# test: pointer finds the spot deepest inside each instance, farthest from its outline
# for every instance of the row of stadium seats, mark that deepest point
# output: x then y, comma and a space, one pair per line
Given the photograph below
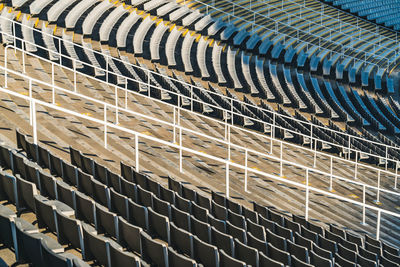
305, 20
303, 240
380, 12
275, 81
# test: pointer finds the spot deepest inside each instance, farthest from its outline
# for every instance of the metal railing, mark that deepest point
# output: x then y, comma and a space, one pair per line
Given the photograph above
344, 48
312, 127
177, 110
179, 146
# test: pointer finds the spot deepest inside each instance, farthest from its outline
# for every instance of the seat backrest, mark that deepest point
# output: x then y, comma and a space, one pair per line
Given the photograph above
317, 260
119, 203
158, 225
129, 235
176, 259
205, 253
122, 258
138, 215
96, 247
199, 212
153, 251
106, 221
278, 254
299, 251
69, 231
236, 219
181, 240
266, 261
220, 225
222, 241
228, 261
100, 192
85, 209
245, 253
201, 230
236, 232
256, 230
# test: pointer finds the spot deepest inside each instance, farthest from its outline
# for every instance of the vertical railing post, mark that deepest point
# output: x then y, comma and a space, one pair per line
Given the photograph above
245, 170
116, 105
363, 207
315, 153
59, 51
52, 83
378, 225
34, 122
74, 67
331, 177
5, 68
148, 83
272, 132
386, 158
307, 195
180, 150
126, 93
23, 56
355, 167
349, 147
105, 126
229, 143
174, 130
281, 160
107, 59
395, 178
379, 186
227, 179
136, 152
191, 98
226, 125
30, 103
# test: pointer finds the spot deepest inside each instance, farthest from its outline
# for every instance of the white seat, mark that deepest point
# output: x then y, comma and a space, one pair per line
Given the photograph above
124, 28
55, 11
38, 5
6, 19
68, 44
140, 34
185, 52
261, 79
246, 73
216, 62
27, 33
109, 22
231, 62
201, 57
93, 16
170, 46
155, 41
76, 12
88, 49
49, 42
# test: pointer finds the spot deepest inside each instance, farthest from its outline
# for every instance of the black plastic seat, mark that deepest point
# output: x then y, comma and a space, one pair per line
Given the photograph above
183, 204
167, 195
268, 224
65, 194
236, 219
228, 261
199, 212
319, 261
69, 231
45, 213
278, 254
85, 208
276, 217
366, 262
158, 225
204, 253
347, 253
95, 246
181, 218
300, 252
298, 263
220, 225
260, 245
245, 253
174, 185
336, 230
218, 199
295, 227
118, 203
276, 240
343, 262
176, 259
327, 244
189, 194
181, 240
256, 230
284, 232
138, 215
222, 241
153, 251
322, 252
204, 202
106, 221
47, 185
309, 234
118, 257
162, 207
129, 235
236, 232
201, 230
305, 242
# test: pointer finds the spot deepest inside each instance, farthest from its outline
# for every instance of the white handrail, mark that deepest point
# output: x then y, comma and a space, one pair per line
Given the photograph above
231, 100
182, 149
176, 125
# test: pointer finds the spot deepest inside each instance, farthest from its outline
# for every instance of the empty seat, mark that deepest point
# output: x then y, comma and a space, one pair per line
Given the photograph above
118, 203
47, 185
367, 254
100, 173
222, 241
158, 225
327, 244
300, 240
167, 195
315, 228
199, 212
317, 260
27, 192
174, 185
245, 253
201, 230
299, 263
236, 232
85, 184
144, 197
118, 257
284, 232
276, 240
138, 215
180, 218
69, 173
95, 246
236, 219
299, 251
162, 207
322, 252
266, 261
85, 208
128, 189
260, 245
203, 202
153, 251
309, 234
182, 204
69, 231
106, 221
175, 259
268, 224
275, 217
66, 194
189, 194
101, 193
129, 235
365, 262
227, 261
204, 253
45, 213
336, 230
256, 230
278, 254
295, 227
220, 225
181, 240
343, 262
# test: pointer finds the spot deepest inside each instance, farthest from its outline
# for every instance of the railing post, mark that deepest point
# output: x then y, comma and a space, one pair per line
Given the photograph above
30, 103
355, 167
148, 83
107, 68
245, 170
59, 51
229, 143
315, 153
232, 111
307, 195
386, 158
191, 98
281, 160
331, 177
126, 93
34, 122
180, 150
378, 225
349, 147
52, 83
136, 152
227, 179
74, 63
5, 67
23, 57
379, 186
116, 105
395, 178
272, 132
363, 207
174, 130
105, 126
311, 137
